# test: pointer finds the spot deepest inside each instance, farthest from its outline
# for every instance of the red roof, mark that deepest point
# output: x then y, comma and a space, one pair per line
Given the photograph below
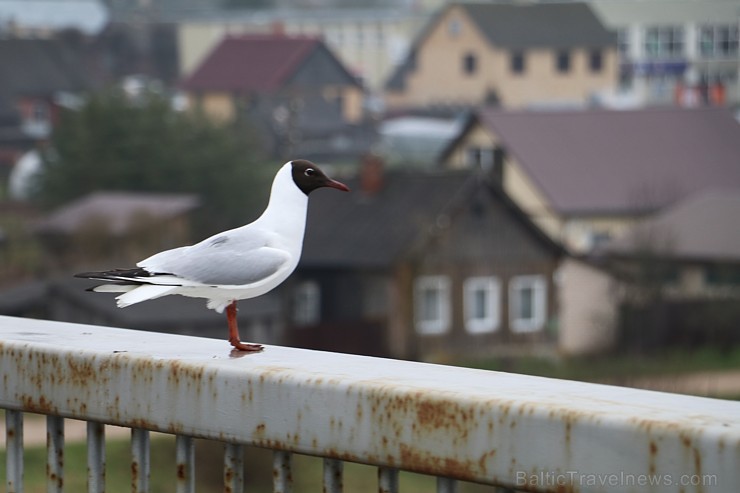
251, 63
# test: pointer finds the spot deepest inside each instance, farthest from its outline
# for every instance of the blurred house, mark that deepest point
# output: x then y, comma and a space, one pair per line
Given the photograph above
424, 265
698, 240
585, 176
676, 51
674, 278
509, 54
369, 42
300, 95
116, 227
39, 78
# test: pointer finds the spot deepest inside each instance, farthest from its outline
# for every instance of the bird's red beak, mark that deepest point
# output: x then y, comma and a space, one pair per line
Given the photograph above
338, 185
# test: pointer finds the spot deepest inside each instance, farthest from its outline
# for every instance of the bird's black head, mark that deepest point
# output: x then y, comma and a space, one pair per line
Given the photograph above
308, 177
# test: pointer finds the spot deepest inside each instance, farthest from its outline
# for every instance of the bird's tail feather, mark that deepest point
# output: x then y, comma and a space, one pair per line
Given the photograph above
142, 293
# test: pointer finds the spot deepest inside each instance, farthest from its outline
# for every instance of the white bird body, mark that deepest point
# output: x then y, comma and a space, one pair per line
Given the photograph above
241, 263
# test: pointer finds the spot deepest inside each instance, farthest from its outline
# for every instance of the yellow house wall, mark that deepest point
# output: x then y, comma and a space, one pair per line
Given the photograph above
216, 105
439, 76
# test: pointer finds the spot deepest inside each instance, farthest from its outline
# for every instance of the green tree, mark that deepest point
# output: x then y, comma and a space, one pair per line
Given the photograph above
116, 143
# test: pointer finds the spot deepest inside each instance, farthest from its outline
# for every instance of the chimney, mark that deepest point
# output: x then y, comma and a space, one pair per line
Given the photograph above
371, 174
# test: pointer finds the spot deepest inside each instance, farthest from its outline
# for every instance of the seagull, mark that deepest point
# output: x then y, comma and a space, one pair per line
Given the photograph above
238, 264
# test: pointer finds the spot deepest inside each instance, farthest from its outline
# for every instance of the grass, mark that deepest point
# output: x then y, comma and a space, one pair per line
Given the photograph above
616, 368
307, 471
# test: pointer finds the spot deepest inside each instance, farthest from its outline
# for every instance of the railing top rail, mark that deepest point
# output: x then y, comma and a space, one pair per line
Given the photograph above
475, 425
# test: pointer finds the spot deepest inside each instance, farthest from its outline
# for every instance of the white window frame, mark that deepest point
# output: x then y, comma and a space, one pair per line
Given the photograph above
440, 324
491, 320
307, 303
538, 285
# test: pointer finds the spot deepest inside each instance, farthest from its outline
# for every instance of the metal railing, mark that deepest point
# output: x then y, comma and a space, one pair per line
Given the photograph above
528, 433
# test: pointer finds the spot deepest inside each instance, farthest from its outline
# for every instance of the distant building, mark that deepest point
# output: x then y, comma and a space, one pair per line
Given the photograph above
117, 226
292, 87
509, 54
585, 176
369, 42
677, 51
39, 78
44, 18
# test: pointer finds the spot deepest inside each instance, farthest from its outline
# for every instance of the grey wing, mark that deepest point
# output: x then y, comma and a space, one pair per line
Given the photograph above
221, 260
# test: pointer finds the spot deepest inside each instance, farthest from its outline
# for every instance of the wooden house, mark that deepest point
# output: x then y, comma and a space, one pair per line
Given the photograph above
423, 265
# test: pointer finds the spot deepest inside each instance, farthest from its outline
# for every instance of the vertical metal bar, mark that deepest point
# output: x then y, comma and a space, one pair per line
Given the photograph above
282, 472
333, 481
234, 468
54, 454
387, 480
446, 485
185, 456
95, 457
140, 469
14, 450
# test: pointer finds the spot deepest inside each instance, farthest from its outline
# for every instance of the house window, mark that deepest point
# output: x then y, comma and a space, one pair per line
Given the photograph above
432, 304
595, 61
470, 63
623, 42
517, 62
40, 112
454, 28
718, 41
307, 303
664, 42
527, 303
479, 157
482, 296
562, 61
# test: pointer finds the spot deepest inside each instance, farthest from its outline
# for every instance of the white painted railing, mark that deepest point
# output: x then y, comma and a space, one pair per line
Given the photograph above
528, 433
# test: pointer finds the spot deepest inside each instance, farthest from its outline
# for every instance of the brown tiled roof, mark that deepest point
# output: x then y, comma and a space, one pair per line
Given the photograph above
251, 63
621, 161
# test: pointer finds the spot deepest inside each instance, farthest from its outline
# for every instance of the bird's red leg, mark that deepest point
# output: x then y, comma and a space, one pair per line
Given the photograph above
234, 331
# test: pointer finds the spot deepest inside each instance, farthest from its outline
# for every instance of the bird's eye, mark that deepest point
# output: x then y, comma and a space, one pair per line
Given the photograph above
309, 172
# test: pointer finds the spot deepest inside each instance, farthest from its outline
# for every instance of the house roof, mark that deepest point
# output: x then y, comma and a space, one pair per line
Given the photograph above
601, 161
376, 230
705, 226
521, 26
118, 209
551, 25
260, 63
40, 67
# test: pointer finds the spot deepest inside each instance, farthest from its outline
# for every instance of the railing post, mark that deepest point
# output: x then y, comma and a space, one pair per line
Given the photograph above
185, 457
54, 454
387, 480
446, 485
234, 468
282, 472
333, 481
140, 466
95, 457
14, 450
